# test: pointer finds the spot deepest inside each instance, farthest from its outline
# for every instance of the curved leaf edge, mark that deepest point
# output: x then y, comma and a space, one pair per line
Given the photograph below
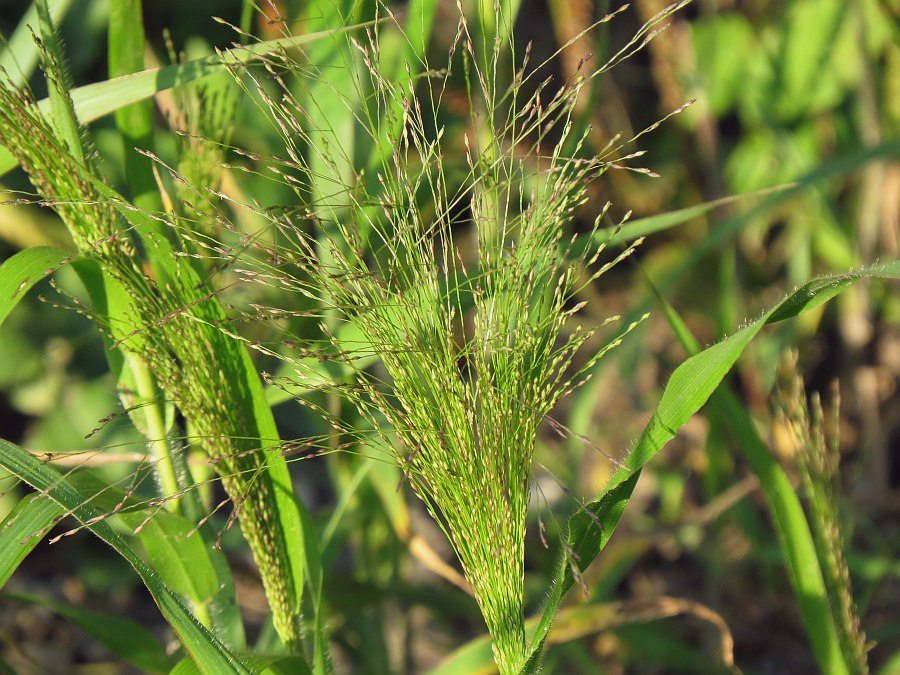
688, 389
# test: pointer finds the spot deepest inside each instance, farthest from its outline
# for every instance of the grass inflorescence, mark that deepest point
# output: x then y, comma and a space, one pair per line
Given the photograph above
162, 329
473, 352
415, 283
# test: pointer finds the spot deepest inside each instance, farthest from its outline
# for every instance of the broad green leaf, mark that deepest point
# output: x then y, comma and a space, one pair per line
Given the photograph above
690, 386
23, 270
123, 637
818, 57
723, 44
211, 655
95, 100
22, 529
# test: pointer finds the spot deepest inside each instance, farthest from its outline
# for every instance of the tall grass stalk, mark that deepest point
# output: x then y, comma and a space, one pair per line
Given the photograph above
473, 352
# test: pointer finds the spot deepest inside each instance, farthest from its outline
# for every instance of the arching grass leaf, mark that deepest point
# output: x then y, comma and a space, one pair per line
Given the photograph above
23, 270
209, 654
95, 100
21, 531
690, 386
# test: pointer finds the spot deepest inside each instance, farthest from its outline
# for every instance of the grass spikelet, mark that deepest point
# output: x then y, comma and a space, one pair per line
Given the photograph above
815, 436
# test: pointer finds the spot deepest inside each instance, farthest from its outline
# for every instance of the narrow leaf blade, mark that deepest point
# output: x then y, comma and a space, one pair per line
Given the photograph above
93, 101
689, 388
210, 654
23, 270
21, 531
123, 637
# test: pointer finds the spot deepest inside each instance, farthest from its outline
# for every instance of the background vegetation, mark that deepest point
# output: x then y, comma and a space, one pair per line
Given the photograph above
796, 102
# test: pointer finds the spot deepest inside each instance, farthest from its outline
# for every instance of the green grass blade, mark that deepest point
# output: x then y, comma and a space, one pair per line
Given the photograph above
690, 386
63, 117
21, 531
210, 654
643, 227
583, 401
839, 166
147, 408
402, 54
270, 517
23, 270
125, 638
790, 522
332, 99
285, 517
179, 555
20, 55
95, 100
135, 121
312, 558
259, 663
793, 531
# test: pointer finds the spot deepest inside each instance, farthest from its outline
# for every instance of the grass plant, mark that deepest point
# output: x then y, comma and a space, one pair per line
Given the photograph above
471, 361
161, 330
409, 260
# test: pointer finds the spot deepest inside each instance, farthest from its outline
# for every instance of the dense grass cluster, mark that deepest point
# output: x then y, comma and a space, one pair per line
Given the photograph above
473, 357
408, 237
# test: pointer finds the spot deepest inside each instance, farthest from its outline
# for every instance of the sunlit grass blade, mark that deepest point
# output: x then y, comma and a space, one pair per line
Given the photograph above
583, 401
23, 270
185, 562
690, 386
179, 333
62, 116
135, 122
210, 654
642, 227
259, 664
793, 531
791, 525
22, 530
831, 169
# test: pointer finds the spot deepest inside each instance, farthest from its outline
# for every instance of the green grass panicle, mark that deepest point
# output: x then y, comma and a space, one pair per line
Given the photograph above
814, 435
473, 352
168, 320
